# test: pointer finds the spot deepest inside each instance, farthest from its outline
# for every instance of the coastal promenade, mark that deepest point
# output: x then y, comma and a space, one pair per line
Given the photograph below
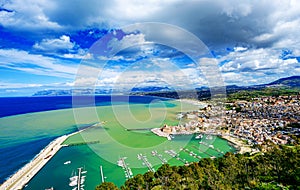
24, 175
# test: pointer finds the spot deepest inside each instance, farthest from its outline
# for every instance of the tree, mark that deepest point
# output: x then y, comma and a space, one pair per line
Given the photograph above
137, 182
148, 177
279, 168
107, 186
163, 173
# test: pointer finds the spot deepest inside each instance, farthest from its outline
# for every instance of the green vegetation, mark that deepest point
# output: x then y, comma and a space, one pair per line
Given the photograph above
279, 168
107, 186
249, 94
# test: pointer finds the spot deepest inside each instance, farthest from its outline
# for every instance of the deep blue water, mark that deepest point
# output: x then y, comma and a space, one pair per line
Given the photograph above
20, 105
14, 157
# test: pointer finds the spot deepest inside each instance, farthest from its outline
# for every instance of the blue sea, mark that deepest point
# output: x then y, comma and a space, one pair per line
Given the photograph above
21, 105
19, 145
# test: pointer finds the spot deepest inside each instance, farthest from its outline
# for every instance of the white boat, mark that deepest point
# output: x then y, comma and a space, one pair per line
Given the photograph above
120, 163
67, 162
73, 183
199, 136
83, 172
73, 178
51, 188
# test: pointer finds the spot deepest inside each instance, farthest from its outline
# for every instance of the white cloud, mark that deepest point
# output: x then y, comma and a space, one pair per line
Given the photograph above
131, 10
261, 23
62, 43
126, 42
257, 66
256, 59
35, 64
27, 15
78, 56
12, 86
240, 48
269, 26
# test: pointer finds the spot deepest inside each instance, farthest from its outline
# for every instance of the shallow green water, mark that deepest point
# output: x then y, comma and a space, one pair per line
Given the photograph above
116, 141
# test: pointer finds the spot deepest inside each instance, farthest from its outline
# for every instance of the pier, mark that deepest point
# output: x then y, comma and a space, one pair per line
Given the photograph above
79, 178
191, 153
159, 156
102, 175
83, 143
196, 148
211, 147
146, 162
126, 168
26, 173
139, 129
175, 155
23, 176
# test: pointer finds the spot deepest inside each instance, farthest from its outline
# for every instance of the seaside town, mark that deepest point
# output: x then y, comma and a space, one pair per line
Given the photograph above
256, 122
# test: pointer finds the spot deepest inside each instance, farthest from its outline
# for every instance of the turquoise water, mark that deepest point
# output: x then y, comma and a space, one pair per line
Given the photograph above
114, 142
89, 159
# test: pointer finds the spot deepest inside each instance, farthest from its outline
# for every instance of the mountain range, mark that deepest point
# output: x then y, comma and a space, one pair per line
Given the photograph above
289, 82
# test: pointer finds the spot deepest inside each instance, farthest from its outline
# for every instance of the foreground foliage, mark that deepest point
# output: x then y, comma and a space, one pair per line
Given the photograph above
279, 168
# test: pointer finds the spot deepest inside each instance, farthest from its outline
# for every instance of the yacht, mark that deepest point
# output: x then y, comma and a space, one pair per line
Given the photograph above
199, 136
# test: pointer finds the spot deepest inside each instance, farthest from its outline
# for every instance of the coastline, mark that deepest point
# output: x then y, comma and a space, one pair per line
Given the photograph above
192, 101
238, 144
19, 179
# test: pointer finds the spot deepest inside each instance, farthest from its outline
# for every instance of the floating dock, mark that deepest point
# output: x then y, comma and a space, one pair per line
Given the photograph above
146, 162
191, 153
126, 168
102, 175
175, 155
211, 147
159, 156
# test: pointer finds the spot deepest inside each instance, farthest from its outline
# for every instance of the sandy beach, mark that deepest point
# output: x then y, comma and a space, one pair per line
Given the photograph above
193, 102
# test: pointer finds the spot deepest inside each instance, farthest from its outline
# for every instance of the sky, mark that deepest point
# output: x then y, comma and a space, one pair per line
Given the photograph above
77, 43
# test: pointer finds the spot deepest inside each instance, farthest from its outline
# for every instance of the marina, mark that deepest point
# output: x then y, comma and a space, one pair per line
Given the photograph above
198, 149
210, 146
127, 170
159, 156
91, 154
191, 153
173, 154
77, 180
146, 162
